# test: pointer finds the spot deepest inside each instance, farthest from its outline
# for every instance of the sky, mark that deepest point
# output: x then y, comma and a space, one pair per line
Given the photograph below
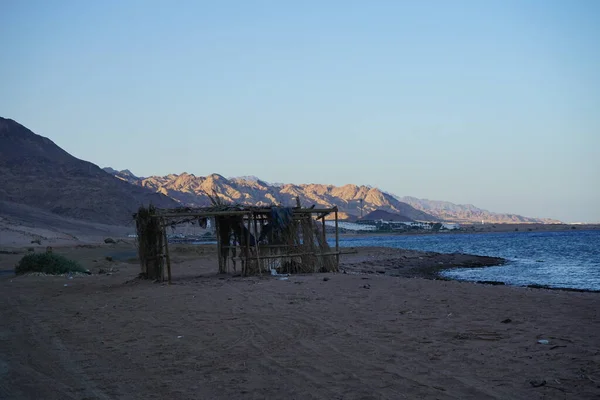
492, 103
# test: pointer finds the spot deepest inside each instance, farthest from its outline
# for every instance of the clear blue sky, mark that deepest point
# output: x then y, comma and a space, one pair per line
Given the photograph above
495, 103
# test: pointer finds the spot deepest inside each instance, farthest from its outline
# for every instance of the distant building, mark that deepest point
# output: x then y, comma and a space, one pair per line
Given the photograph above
382, 225
352, 226
451, 226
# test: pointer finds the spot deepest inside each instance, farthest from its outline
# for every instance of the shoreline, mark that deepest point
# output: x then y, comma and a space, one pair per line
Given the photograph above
371, 260
429, 265
410, 263
487, 229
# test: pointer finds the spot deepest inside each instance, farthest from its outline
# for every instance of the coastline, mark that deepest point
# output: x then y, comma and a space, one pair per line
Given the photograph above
405, 263
410, 263
486, 228
387, 261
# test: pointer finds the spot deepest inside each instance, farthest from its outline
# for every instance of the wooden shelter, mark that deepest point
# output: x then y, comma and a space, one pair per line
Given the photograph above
258, 240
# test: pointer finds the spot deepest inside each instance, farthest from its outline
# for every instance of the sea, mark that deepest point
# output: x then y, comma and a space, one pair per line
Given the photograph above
568, 259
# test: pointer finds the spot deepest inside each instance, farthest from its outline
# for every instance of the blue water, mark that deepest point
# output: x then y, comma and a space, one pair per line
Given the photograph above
569, 259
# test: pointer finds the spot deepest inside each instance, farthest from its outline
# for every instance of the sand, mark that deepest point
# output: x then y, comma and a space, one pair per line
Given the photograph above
323, 336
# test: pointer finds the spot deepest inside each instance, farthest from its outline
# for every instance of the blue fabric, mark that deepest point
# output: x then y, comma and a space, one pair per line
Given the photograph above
281, 217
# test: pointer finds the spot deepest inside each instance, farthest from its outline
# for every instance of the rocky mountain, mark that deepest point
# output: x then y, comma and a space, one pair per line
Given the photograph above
467, 212
188, 189
34, 171
386, 216
125, 175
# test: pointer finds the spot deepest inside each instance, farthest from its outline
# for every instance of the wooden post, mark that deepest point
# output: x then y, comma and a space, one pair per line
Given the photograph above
309, 231
167, 251
324, 239
219, 244
256, 244
337, 240
271, 239
248, 244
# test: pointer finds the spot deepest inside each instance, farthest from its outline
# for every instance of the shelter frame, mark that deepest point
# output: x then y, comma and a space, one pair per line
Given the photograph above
254, 236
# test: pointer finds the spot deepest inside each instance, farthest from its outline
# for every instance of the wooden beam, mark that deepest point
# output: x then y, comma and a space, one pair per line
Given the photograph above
201, 214
247, 263
175, 214
219, 245
266, 246
349, 252
324, 239
167, 255
337, 240
332, 253
256, 244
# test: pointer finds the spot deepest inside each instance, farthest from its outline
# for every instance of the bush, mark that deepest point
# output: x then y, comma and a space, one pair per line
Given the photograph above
48, 263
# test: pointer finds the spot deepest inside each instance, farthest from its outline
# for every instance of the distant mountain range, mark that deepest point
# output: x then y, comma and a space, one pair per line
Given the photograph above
190, 189
35, 172
447, 211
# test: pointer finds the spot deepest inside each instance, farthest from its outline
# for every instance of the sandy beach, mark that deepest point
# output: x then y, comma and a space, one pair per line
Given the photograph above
357, 335
246, 200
